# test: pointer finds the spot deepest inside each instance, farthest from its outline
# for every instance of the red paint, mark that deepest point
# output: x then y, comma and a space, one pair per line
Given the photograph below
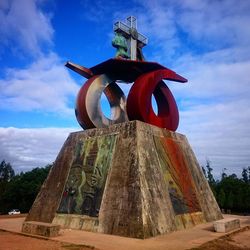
181, 174
139, 105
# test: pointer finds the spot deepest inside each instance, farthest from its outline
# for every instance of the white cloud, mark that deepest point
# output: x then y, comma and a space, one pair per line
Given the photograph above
44, 86
176, 27
222, 23
220, 132
215, 80
24, 26
214, 108
26, 149
208, 43
215, 114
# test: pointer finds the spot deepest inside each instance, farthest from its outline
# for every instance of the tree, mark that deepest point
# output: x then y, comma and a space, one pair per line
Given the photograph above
230, 200
245, 175
221, 198
223, 175
231, 192
210, 176
22, 189
6, 172
204, 171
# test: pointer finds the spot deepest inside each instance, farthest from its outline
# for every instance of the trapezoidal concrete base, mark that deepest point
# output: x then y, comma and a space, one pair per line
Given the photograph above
131, 179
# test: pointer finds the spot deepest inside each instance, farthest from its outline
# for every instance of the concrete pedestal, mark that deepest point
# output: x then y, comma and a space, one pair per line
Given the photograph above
41, 228
226, 225
131, 179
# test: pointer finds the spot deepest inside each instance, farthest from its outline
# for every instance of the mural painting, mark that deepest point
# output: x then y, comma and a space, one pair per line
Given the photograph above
177, 176
87, 177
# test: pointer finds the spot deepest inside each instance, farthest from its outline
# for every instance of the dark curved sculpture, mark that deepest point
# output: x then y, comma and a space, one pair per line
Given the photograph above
147, 79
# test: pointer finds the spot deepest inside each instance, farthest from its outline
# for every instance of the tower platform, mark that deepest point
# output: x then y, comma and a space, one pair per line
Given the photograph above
130, 179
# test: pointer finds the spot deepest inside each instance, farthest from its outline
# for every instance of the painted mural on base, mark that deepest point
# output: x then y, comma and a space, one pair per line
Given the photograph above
176, 174
87, 177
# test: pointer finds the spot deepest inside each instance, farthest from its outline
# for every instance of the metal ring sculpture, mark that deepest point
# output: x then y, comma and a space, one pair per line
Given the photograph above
148, 80
139, 105
88, 108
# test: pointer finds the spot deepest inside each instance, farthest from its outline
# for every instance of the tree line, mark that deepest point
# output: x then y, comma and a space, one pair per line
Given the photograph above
232, 193
20, 190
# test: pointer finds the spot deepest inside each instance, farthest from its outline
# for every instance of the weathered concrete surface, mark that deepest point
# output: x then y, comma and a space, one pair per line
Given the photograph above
153, 185
226, 225
41, 228
80, 222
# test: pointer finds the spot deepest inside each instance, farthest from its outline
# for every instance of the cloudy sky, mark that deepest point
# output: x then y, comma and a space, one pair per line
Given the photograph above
206, 41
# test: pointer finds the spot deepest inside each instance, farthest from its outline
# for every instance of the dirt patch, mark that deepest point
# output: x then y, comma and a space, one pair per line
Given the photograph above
239, 240
12, 241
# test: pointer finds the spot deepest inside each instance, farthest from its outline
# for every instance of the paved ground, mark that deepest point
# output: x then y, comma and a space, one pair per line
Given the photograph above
12, 241
201, 236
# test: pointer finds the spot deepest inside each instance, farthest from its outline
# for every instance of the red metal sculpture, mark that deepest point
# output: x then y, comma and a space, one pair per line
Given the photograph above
139, 105
147, 79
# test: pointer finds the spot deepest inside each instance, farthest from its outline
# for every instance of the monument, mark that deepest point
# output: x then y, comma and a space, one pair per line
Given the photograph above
130, 175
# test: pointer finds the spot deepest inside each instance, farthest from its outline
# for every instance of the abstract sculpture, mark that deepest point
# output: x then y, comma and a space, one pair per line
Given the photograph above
131, 179
147, 79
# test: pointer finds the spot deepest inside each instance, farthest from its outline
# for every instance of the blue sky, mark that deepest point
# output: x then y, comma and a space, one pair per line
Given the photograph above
206, 41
